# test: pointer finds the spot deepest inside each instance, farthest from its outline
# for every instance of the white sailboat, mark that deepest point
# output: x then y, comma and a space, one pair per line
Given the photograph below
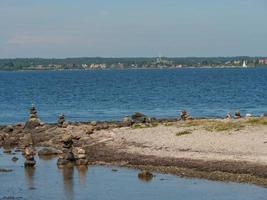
244, 64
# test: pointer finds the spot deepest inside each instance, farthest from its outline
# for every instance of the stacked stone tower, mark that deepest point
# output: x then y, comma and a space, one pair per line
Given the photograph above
33, 120
67, 158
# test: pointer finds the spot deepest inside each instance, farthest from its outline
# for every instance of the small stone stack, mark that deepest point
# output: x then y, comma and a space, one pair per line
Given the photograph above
29, 156
33, 120
61, 120
67, 157
80, 156
184, 115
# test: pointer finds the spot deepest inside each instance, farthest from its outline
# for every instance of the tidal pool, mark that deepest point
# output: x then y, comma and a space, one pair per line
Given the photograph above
46, 181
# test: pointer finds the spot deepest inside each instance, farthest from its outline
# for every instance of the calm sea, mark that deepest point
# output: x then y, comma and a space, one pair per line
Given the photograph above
113, 94
46, 181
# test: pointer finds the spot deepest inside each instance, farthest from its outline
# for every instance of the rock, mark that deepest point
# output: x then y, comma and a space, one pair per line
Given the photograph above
61, 161
77, 135
67, 138
8, 151
48, 152
5, 170
29, 163
27, 140
32, 123
65, 125
94, 123
145, 175
138, 117
8, 129
126, 121
14, 159
70, 157
89, 130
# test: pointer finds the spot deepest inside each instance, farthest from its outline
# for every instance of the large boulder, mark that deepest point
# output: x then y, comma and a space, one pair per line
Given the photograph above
138, 117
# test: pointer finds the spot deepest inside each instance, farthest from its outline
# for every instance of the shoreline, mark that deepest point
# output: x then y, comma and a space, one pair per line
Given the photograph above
140, 68
215, 149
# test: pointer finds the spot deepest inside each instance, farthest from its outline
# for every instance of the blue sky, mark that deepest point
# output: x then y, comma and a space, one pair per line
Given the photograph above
122, 28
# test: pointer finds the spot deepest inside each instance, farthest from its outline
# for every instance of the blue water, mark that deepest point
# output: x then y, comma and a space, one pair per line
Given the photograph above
46, 181
112, 94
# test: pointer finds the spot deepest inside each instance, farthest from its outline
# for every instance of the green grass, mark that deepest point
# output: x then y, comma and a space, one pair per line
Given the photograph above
137, 126
185, 132
257, 121
223, 126
215, 125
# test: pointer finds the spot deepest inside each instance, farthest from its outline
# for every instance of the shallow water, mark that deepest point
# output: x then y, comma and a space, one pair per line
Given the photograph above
112, 94
46, 181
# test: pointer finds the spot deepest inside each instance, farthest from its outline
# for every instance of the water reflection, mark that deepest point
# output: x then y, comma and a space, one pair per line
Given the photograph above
68, 173
29, 175
82, 174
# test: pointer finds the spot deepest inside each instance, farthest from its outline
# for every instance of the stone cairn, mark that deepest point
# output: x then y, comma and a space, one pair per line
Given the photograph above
29, 151
61, 120
67, 158
33, 120
29, 156
80, 156
184, 115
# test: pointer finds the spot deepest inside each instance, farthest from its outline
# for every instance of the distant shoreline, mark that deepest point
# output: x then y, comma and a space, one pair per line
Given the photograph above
129, 62
144, 68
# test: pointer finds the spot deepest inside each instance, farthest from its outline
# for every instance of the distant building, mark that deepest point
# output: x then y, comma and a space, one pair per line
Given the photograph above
263, 61
237, 62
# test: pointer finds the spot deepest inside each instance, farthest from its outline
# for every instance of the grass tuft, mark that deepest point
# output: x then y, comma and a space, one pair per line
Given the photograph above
186, 132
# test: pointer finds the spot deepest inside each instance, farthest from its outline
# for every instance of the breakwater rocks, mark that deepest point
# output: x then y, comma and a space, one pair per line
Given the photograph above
38, 133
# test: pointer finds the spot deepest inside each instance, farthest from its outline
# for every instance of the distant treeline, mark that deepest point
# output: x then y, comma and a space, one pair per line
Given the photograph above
73, 63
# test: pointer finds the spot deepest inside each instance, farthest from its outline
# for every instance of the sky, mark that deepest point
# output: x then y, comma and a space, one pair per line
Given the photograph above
127, 28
